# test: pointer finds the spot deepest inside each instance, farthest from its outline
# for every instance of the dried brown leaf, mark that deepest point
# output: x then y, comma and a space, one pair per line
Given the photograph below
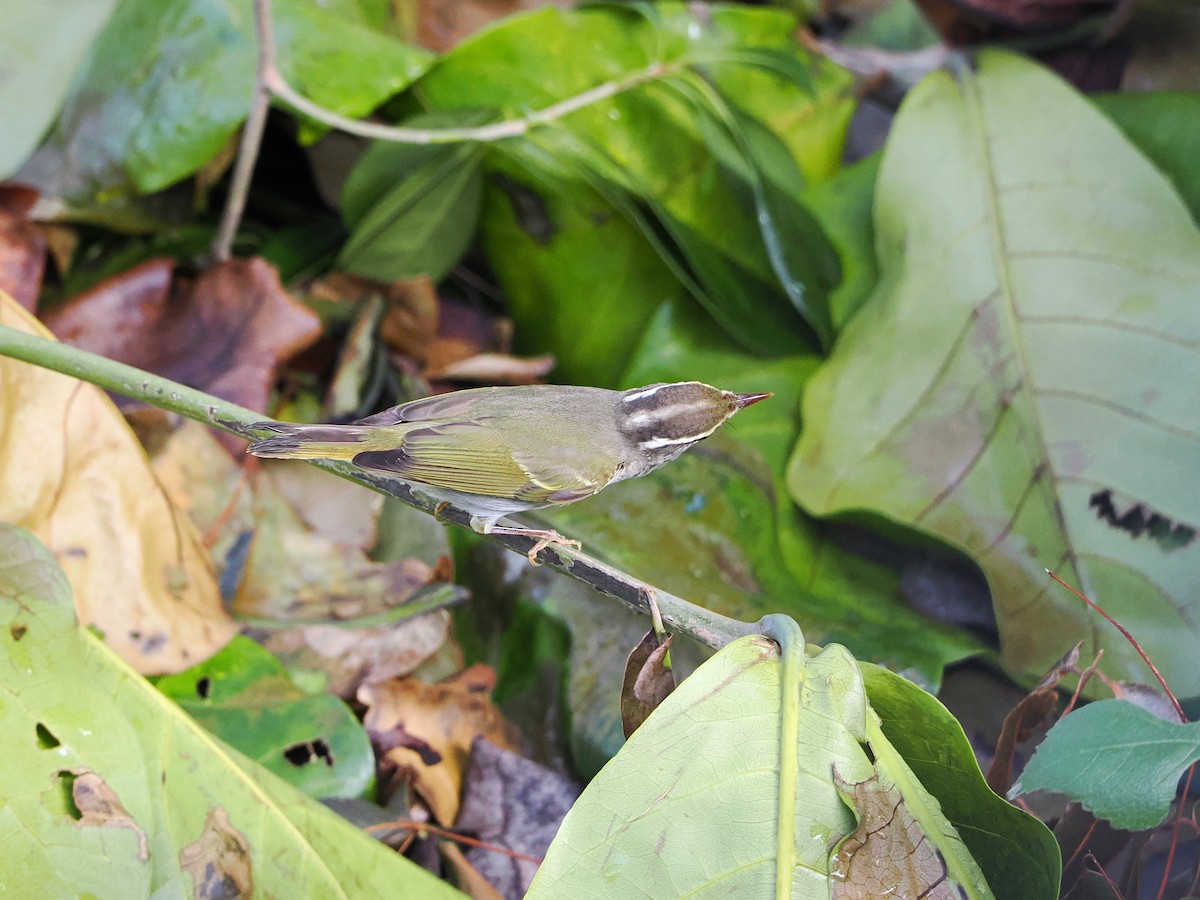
425, 731
75, 475
225, 333
22, 246
647, 681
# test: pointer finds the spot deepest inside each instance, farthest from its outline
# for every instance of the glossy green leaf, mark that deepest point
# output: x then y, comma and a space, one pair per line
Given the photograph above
38, 70
1120, 761
1163, 125
842, 204
1022, 381
244, 696
1017, 853
642, 155
729, 786
186, 815
167, 84
412, 209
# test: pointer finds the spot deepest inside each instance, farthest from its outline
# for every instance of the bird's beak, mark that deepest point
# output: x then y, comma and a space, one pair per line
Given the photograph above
744, 400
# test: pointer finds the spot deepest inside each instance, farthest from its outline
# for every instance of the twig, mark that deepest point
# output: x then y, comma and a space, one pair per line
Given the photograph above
1129, 637
252, 133
706, 626
276, 84
418, 827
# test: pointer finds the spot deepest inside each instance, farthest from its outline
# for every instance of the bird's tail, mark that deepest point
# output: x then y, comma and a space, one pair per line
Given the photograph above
309, 441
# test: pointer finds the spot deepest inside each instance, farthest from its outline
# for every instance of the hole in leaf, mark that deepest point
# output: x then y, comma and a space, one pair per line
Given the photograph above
300, 755
203, 686
45, 738
66, 784
1138, 520
17, 631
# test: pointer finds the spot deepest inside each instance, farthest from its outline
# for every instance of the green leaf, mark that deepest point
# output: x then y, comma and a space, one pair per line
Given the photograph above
185, 814
642, 155
1120, 761
38, 70
738, 769
1017, 853
167, 84
842, 204
1163, 126
412, 209
244, 696
1005, 386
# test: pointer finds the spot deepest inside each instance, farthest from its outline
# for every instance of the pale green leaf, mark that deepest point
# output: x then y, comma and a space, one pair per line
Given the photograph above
1022, 382
189, 806
730, 786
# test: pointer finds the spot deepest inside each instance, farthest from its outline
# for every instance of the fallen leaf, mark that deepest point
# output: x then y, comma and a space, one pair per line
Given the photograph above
647, 681
512, 803
425, 731
1028, 715
99, 807
225, 333
495, 368
218, 860
75, 475
888, 854
22, 246
465, 876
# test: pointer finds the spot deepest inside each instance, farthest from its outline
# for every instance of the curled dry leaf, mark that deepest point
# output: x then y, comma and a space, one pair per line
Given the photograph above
425, 731
647, 681
74, 474
22, 246
225, 333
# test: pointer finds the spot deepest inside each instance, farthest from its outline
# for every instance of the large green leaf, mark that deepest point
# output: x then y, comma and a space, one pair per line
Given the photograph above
1022, 382
1120, 761
1017, 853
109, 790
674, 158
244, 696
37, 70
734, 785
168, 82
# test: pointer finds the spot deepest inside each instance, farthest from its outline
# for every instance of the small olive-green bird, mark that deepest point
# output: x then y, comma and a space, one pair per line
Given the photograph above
496, 451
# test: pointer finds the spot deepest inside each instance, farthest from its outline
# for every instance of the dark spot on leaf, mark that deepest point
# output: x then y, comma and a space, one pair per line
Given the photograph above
529, 209
1139, 520
17, 631
135, 635
203, 686
302, 754
235, 564
45, 738
219, 860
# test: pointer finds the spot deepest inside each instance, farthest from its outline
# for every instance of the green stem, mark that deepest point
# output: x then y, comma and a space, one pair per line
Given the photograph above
703, 624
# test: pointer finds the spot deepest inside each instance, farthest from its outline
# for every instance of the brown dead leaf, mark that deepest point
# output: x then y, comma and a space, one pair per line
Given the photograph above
74, 474
443, 23
218, 860
22, 246
100, 807
888, 854
225, 333
1032, 712
647, 681
425, 731
495, 368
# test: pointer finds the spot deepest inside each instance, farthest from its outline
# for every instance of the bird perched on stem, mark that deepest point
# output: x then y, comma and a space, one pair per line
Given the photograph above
496, 451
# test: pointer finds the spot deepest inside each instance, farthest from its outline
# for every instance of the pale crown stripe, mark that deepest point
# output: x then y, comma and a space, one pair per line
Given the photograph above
648, 392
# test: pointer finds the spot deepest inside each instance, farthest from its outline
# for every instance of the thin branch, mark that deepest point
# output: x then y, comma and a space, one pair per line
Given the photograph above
704, 625
252, 133
276, 84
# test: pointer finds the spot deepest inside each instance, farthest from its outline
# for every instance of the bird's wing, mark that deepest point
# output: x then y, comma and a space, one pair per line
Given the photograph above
472, 458
457, 405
